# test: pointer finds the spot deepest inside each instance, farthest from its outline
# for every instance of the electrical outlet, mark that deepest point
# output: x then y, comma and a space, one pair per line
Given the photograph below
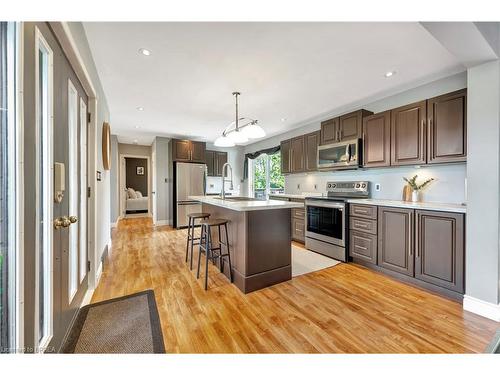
298, 186
211, 185
377, 187
315, 187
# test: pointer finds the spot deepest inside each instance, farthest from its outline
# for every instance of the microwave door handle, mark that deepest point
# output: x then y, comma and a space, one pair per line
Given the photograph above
348, 153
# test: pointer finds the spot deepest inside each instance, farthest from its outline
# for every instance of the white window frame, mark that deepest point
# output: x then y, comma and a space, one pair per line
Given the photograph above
82, 223
72, 189
268, 175
42, 342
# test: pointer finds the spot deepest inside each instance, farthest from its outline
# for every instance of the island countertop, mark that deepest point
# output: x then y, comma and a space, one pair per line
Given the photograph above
250, 205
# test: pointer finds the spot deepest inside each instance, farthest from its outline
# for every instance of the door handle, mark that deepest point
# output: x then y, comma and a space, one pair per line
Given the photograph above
64, 221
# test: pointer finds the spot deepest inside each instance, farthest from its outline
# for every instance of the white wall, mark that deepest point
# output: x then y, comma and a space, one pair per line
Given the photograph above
450, 179
163, 182
114, 181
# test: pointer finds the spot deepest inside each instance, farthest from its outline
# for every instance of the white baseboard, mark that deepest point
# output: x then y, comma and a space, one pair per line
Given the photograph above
163, 222
487, 309
98, 274
88, 297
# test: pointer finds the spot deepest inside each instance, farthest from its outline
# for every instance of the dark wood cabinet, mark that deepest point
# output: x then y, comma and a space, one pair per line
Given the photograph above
377, 140
214, 161
395, 239
447, 128
285, 156
439, 245
329, 131
220, 160
408, 140
311, 151
297, 148
298, 233
363, 246
351, 125
210, 162
189, 151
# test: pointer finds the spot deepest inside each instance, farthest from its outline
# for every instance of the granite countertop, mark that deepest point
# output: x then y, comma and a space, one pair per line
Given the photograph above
252, 205
296, 196
433, 206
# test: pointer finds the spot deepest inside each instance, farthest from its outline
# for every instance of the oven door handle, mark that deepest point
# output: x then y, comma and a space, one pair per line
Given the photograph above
340, 206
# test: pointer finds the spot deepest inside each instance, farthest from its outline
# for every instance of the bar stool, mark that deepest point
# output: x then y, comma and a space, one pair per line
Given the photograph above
212, 253
190, 237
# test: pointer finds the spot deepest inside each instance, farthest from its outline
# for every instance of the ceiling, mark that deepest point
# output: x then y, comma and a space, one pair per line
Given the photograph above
292, 71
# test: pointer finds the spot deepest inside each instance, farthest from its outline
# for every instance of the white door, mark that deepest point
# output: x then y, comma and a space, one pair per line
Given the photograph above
123, 188
153, 178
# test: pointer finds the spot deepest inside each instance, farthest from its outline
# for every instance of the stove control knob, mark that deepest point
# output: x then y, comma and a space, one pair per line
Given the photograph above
334, 186
328, 186
357, 186
363, 186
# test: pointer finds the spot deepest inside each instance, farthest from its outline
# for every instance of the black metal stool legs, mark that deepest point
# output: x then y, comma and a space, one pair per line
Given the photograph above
188, 239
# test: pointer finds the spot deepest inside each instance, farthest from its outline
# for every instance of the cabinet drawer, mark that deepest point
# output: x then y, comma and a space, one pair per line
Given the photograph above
363, 225
298, 229
363, 211
363, 246
299, 213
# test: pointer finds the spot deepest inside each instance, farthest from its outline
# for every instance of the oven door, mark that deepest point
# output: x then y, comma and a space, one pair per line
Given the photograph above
325, 221
339, 155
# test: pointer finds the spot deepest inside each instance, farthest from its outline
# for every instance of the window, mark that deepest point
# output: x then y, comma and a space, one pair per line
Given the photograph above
44, 198
8, 183
267, 177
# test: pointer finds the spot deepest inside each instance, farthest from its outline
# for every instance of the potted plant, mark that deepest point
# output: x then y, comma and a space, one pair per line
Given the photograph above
416, 187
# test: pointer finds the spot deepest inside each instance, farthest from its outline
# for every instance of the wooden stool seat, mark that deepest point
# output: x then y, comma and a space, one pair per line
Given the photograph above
214, 222
198, 215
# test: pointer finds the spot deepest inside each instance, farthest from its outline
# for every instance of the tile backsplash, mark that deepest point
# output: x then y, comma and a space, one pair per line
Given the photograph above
449, 185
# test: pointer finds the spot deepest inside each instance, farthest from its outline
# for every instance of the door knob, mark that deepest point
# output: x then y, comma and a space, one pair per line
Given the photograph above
62, 222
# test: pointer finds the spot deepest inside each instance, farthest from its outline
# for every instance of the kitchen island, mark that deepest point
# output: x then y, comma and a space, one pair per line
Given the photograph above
259, 238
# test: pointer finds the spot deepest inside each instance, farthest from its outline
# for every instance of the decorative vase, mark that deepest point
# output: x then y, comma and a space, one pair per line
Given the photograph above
414, 196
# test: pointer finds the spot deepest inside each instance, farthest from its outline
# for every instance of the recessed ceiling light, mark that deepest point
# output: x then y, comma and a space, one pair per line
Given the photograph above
145, 51
137, 126
140, 108
389, 74
283, 119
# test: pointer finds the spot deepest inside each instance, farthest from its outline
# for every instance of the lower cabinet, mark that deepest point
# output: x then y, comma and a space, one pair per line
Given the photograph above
439, 244
363, 246
395, 239
298, 224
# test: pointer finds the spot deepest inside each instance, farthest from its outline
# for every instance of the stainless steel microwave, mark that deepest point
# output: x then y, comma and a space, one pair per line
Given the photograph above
340, 155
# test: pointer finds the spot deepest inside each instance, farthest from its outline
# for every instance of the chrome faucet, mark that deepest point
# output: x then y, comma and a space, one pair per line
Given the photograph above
223, 192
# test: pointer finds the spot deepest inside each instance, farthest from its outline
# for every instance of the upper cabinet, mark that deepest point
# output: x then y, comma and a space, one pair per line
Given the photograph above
188, 151
447, 128
408, 139
377, 140
311, 141
297, 148
329, 131
285, 156
215, 160
343, 128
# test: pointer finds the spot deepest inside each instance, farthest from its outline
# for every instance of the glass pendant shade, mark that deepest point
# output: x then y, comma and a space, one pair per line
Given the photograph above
237, 136
253, 131
224, 141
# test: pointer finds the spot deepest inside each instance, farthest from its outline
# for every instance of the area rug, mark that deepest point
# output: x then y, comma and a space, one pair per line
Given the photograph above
306, 261
128, 324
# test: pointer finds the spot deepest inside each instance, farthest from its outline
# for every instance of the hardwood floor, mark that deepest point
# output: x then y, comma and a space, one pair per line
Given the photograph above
343, 309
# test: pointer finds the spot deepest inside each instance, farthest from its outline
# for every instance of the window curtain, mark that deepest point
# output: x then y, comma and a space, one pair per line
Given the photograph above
255, 155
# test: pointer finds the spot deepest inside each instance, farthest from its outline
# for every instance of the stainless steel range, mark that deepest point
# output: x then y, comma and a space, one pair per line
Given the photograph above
327, 218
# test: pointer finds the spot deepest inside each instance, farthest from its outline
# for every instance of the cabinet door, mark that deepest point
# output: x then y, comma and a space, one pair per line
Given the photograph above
447, 128
198, 151
439, 244
297, 154
311, 154
285, 156
408, 134
350, 126
298, 229
181, 150
329, 131
363, 246
210, 162
377, 140
395, 239
220, 160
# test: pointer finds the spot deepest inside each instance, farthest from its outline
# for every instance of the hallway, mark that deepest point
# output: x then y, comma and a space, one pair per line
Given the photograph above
343, 309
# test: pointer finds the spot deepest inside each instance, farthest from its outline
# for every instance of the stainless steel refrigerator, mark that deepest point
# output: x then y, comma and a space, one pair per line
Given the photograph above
190, 179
